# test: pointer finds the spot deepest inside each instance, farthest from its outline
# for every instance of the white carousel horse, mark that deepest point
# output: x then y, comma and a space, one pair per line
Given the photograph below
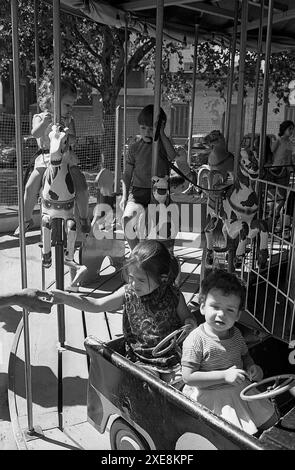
58, 202
219, 159
237, 206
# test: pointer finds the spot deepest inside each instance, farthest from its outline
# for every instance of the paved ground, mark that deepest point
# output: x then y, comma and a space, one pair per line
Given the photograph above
10, 278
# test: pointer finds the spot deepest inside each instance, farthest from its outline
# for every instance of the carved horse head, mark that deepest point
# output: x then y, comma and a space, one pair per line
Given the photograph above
219, 159
58, 188
58, 193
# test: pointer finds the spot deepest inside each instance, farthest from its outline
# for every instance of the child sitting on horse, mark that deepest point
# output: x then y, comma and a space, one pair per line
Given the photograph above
153, 307
216, 364
137, 177
42, 126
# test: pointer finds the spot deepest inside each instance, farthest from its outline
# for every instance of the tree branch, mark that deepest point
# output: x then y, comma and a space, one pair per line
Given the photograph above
87, 45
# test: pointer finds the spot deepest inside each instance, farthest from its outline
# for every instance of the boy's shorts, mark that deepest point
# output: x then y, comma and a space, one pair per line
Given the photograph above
135, 209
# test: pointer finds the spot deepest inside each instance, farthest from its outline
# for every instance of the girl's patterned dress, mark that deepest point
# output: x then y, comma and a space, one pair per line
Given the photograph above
146, 321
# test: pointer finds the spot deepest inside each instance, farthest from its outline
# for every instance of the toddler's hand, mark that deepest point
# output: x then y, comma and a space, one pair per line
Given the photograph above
233, 375
47, 118
255, 373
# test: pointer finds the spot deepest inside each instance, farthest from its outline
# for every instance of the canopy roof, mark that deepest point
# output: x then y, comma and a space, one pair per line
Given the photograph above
215, 18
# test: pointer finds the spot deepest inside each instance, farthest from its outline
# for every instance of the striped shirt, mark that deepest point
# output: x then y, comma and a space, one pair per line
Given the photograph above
204, 352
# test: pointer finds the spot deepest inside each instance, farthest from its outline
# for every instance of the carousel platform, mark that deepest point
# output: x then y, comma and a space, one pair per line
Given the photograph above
59, 376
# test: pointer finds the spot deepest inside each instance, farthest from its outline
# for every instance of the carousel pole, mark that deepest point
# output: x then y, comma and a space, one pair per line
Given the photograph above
233, 48
36, 32
240, 99
59, 249
232, 244
59, 244
37, 75
265, 87
17, 109
158, 69
193, 98
125, 90
258, 65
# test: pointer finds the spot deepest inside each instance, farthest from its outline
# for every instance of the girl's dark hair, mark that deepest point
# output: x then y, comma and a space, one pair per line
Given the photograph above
155, 259
227, 282
46, 91
284, 126
146, 116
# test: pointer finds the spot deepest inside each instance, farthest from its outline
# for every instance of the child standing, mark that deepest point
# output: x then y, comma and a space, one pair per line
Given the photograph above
42, 126
153, 307
282, 163
216, 363
137, 178
282, 147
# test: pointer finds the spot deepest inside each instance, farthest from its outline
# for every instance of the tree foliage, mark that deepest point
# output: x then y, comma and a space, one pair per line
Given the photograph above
93, 56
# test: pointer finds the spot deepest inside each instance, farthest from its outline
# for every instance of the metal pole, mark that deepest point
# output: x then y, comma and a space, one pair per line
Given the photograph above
59, 246
37, 67
240, 100
258, 64
265, 87
17, 110
192, 106
56, 59
59, 249
125, 89
231, 75
117, 149
158, 68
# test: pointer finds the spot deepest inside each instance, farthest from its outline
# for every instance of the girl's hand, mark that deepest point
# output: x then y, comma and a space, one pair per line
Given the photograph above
191, 323
56, 296
255, 373
233, 375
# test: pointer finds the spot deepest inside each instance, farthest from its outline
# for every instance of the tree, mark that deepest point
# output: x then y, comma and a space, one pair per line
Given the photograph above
214, 70
91, 54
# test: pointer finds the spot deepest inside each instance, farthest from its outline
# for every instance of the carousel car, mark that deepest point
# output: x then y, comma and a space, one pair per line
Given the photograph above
141, 411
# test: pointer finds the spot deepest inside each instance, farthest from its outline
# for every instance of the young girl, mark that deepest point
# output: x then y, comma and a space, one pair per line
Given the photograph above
42, 125
153, 307
216, 364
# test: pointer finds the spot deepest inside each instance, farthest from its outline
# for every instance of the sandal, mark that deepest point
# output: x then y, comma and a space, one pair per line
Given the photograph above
28, 224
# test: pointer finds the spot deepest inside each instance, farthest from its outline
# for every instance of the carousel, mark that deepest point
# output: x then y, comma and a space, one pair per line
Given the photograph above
70, 384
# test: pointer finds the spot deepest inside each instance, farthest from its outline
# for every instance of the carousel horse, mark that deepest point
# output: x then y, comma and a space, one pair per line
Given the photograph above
58, 202
237, 206
220, 159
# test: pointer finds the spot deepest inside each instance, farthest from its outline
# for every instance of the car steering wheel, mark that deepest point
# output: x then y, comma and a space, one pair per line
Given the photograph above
272, 391
174, 339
